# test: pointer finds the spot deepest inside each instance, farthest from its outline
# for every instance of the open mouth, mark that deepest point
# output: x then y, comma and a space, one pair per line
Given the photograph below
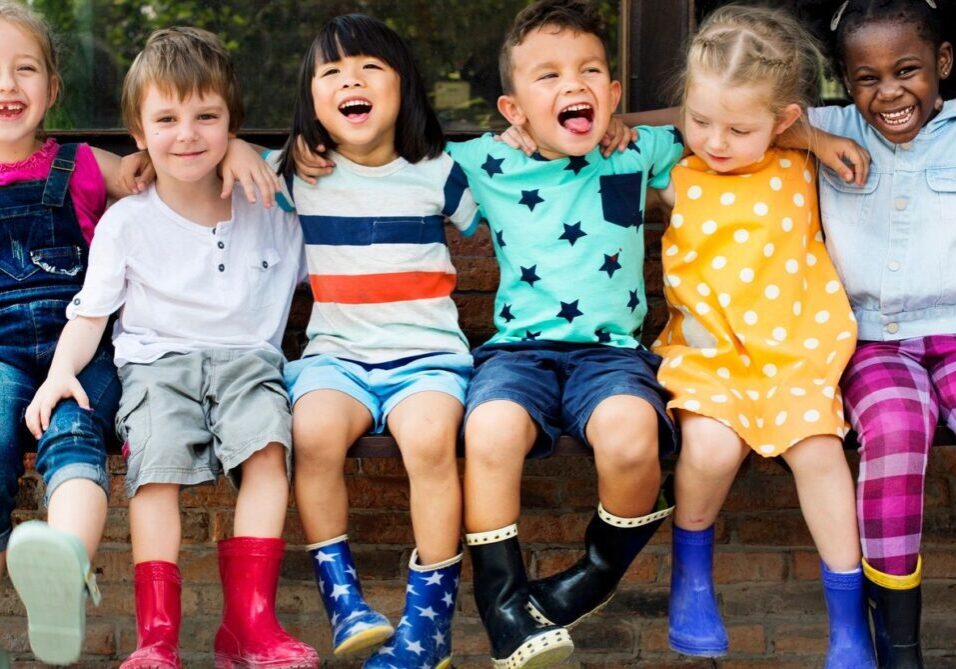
356, 109
577, 118
898, 118
11, 109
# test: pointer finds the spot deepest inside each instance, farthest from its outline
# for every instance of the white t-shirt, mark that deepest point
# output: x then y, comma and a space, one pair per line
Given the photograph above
186, 287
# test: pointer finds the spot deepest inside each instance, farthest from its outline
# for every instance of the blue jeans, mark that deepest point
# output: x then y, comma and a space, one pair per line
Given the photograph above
74, 445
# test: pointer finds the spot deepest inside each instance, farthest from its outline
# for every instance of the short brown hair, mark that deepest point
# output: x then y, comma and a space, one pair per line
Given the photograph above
579, 16
26, 20
185, 61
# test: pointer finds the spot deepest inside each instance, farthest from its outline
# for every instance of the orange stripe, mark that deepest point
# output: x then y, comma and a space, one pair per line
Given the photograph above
380, 288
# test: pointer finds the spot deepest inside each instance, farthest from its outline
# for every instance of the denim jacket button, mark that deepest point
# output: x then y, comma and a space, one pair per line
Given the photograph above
900, 204
894, 266
906, 146
892, 328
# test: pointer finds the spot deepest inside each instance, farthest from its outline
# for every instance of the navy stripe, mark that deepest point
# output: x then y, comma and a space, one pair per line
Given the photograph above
454, 189
367, 230
392, 364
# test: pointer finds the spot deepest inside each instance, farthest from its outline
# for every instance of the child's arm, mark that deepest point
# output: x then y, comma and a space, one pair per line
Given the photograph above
310, 164
844, 156
124, 176
78, 343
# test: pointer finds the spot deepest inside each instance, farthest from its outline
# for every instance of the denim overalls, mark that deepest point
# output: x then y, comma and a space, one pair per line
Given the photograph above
43, 257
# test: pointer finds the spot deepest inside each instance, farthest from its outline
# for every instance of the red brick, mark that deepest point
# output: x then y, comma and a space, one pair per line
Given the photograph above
806, 565
778, 528
802, 639
738, 567
478, 274
377, 492
747, 639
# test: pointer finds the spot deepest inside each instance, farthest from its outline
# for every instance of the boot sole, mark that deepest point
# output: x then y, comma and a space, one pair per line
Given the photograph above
365, 640
47, 570
539, 651
691, 651
543, 620
226, 662
150, 665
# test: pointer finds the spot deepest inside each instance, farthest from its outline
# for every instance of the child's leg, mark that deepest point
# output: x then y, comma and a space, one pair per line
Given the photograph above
16, 390
325, 423
79, 506
154, 523
425, 425
263, 494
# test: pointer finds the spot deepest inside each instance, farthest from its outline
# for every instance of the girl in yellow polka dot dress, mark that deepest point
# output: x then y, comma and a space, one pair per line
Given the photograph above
760, 328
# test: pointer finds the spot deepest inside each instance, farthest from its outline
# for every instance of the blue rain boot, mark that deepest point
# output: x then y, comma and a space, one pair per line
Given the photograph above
356, 627
423, 637
695, 625
850, 644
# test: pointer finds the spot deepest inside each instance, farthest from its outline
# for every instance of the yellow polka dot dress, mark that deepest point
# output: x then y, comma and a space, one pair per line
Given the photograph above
760, 328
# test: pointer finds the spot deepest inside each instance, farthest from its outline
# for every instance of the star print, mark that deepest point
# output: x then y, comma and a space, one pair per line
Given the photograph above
448, 600
334, 619
573, 232
506, 314
530, 199
531, 336
611, 264
409, 590
529, 275
633, 146
425, 665
324, 557
569, 311
493, 166
434, 579
358, 613
678, 138
415, 647
576, 164
350, 570
603, 336
427, 612
634, 302
439, 638
403, 621
339, 591
500, 238
387, 650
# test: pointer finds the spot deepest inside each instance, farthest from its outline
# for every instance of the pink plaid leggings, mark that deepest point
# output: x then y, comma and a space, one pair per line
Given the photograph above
894, 394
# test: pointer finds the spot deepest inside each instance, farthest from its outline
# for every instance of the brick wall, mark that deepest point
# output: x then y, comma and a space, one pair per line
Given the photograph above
765, 566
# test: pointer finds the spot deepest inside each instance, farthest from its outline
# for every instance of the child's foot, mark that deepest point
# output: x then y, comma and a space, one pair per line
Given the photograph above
51, 572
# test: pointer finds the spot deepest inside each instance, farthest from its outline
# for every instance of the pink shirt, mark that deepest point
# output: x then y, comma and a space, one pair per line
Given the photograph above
87, 186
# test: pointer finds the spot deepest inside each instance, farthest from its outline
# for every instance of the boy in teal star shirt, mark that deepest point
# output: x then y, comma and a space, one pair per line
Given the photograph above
568, 234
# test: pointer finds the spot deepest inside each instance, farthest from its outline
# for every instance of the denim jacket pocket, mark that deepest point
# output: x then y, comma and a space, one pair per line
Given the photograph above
63, 260
845, 202
942, 181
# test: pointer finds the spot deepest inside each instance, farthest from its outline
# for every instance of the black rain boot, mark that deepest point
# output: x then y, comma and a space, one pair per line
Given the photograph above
611, 544
501, 592
895, 603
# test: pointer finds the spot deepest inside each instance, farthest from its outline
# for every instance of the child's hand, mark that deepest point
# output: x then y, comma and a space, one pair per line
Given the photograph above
844, 156
136, 172
243, 163
518, 138
617, 138
56, 387
309, 164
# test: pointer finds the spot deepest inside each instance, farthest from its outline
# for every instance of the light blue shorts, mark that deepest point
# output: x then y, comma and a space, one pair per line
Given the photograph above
379, 388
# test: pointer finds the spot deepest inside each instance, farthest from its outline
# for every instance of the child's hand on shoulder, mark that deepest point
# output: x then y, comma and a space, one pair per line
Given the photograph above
844, 156
57, 387
617, 138
136, 172
310, 164
243, 163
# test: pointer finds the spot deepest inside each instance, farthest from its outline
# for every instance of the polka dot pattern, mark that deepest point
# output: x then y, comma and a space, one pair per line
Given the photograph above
764, 289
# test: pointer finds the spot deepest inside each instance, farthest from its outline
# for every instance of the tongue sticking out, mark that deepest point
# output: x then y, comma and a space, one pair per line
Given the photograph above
578, 125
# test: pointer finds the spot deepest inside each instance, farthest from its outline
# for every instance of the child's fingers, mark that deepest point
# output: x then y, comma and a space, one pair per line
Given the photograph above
267, 187
32, 419
147, 175
76, 390
248, 184
228, 183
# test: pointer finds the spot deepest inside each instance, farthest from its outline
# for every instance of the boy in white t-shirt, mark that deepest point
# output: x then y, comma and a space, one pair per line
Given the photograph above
203, 287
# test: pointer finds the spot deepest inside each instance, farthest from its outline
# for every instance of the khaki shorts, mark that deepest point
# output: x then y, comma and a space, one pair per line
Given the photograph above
189, 417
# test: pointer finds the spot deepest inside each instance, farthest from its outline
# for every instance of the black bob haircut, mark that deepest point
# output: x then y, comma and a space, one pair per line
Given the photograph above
418, 134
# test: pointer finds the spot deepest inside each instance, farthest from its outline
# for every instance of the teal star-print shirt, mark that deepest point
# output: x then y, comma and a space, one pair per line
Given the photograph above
568, 234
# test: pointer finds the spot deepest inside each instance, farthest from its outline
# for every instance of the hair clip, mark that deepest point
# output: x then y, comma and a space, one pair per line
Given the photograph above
835, 21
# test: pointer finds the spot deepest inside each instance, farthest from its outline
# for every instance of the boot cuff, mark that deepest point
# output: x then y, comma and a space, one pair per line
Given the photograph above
157, 570
837, 581
252, 547
493, 536
414, 565
893, 582
328, 542
617, 521
693, 537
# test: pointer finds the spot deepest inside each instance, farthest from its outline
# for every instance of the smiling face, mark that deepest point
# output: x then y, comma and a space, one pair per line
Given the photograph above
730, 127
563, 94
25, 92
893, 77
186, 139
357, 100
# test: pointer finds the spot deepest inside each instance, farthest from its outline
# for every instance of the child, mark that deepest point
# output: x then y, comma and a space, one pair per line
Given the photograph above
197, 350
384, 345
899, 380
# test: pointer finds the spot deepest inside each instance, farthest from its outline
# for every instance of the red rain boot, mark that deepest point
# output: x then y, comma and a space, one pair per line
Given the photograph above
158, 586
250, 635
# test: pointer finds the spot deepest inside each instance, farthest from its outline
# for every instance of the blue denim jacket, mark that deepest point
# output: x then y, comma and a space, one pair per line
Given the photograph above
893, 241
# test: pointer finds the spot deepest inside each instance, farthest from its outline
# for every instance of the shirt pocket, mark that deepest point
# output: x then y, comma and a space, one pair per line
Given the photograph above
404, 242
621, 199
62, 260
942, 183
846, 203
262, 266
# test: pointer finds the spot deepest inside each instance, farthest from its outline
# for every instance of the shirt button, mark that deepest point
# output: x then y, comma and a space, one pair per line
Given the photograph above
222, 268
900, 204
221, 245
894, 266
892, 328
76, 301
265, 264
906, 146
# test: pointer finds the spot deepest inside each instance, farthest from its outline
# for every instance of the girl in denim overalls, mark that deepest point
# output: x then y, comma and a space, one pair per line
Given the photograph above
51, 196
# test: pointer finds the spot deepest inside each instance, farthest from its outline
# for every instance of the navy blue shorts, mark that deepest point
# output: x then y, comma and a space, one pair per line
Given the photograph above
560, 385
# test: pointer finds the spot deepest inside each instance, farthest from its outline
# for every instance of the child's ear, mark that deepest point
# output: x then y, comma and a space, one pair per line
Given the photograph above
945, 60
511, 110
787, 117
615, 95
140, 140
54, 92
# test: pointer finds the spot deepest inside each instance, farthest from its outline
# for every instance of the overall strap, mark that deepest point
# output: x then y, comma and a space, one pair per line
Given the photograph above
58, 181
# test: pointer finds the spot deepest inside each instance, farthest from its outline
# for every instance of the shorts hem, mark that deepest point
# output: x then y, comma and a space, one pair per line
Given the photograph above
398, 398
651, 397
252, 446
178, 476
547, 434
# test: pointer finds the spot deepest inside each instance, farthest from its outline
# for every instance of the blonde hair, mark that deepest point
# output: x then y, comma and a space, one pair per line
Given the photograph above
757, 46
185, 61
30, 23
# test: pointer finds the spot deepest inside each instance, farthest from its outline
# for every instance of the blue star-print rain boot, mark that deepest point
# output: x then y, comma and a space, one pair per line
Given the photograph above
851, 646
356, 627
423, 637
